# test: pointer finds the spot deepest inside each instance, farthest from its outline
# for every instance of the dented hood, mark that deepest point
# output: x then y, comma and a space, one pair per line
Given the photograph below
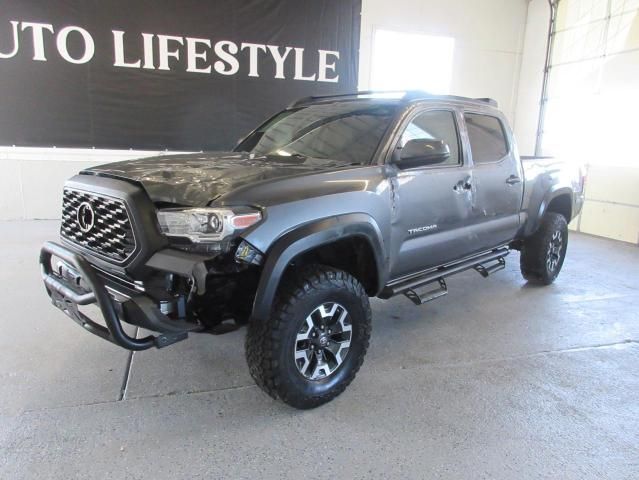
199, 178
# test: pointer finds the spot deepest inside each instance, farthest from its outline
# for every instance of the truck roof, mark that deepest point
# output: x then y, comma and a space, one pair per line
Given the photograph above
398, 96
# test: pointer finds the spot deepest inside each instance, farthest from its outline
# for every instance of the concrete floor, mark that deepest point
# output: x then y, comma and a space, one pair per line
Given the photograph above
499, 379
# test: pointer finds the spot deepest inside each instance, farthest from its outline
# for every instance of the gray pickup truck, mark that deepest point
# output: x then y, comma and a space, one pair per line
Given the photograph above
334, 200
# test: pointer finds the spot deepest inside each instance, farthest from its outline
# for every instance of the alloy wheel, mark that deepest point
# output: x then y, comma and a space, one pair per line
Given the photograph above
553, 255
323, 341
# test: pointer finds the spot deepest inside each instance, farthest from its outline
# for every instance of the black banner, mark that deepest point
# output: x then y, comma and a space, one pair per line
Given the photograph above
156, 74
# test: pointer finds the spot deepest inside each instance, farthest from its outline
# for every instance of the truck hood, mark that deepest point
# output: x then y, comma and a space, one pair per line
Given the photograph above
199, 178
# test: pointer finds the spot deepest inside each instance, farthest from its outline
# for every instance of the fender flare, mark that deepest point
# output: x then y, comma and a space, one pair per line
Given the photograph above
548, 198
307, 237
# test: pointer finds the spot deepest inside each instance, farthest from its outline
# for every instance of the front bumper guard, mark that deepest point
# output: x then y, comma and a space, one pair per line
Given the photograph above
69, 297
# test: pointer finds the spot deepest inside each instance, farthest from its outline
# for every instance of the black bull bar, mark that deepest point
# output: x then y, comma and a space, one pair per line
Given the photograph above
68, 296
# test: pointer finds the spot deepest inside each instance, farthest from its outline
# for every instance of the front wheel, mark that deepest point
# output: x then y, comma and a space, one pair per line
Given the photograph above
543, 254
315, 341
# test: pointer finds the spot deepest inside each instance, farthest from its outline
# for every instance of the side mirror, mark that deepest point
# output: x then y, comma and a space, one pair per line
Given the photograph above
422, 152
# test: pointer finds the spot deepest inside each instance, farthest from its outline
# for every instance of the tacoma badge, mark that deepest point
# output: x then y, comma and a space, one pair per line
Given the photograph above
425, 228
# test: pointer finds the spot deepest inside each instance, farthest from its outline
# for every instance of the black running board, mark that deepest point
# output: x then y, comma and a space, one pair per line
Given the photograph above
485, 270
420, 297
485, 264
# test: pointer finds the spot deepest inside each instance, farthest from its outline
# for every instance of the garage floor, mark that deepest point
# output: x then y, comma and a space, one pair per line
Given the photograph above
498, 379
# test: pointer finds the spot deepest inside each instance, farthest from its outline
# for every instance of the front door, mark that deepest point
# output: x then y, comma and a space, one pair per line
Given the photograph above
432, 205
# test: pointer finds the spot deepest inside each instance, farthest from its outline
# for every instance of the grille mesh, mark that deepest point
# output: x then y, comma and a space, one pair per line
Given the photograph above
111, 234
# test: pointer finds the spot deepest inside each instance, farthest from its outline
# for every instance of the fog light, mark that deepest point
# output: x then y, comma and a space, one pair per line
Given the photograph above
247, 253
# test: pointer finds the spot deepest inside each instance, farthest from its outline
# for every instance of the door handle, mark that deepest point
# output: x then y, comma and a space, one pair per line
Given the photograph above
513, 179
463, 185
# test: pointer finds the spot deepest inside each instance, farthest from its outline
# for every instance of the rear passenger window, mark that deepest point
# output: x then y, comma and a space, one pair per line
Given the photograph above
435, 125
487, 140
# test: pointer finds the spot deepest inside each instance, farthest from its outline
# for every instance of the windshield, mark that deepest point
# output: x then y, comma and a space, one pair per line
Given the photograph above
344, 131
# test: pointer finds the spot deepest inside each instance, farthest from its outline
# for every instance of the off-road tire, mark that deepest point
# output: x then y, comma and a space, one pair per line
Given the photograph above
270, 344
535, 252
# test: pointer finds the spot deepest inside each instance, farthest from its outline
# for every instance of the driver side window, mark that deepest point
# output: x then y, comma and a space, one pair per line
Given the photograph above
435, 125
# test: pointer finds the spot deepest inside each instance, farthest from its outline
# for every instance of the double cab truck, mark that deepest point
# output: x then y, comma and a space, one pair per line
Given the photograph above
332, 201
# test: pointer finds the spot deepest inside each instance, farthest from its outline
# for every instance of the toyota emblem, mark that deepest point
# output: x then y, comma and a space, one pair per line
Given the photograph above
85, 216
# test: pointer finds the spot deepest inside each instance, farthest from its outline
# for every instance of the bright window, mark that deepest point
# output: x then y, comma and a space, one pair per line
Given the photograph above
411, 61
435, 125
486, 137
593, 87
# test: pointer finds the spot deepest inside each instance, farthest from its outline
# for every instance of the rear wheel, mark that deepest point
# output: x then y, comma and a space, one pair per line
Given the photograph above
315, 341
542, 255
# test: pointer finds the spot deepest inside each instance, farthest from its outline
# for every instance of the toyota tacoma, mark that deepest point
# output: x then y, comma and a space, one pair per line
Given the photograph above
332, 201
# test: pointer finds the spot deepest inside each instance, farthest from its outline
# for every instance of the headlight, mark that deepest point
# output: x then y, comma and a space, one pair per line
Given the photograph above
205, 225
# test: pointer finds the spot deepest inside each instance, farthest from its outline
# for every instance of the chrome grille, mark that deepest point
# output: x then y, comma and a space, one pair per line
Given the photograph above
110, 233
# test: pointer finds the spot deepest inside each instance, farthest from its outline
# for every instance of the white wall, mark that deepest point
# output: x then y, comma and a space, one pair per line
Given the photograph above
611, 208
531, 76
32, 178
489, 36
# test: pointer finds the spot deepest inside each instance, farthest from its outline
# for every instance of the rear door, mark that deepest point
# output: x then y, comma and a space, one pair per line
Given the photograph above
497, 178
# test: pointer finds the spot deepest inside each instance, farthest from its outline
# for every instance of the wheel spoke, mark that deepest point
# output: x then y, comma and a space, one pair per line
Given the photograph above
344, 326
302, 355
339, 350
306, 330
328, 313
320, 368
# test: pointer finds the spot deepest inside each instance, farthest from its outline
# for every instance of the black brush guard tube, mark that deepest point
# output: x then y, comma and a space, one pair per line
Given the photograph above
68, 299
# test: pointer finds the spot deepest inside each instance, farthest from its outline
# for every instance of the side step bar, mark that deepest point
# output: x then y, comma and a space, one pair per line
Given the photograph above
420, 298
484, 264
484, 270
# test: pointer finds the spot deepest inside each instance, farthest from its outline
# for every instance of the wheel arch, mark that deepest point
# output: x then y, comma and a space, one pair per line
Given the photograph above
313, 241
558, 200
561, 204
